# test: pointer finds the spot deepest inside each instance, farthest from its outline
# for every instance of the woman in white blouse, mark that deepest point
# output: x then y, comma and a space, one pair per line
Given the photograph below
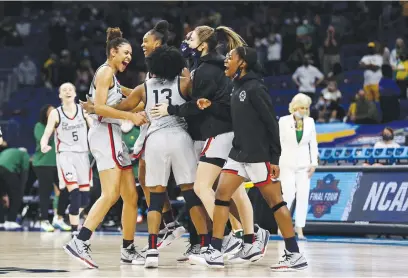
298, 159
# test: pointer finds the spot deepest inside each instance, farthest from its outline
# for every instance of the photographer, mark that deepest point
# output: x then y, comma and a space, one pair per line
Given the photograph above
331, 50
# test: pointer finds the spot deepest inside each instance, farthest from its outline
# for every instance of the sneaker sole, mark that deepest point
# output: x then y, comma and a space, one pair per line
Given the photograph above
74, 255
126, 262
254, 259
151, 263
194, 260
291, 269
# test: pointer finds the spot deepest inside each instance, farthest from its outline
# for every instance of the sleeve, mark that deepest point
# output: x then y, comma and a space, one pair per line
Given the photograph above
314, 153
262, 103
296, 74
364, 60
318, 74
38, 132
205, 88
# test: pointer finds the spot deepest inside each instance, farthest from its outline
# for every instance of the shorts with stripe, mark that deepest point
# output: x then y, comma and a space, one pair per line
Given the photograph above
140, 144
74, 168
170, 149
107, 147
258, 173
218, 146
198, 148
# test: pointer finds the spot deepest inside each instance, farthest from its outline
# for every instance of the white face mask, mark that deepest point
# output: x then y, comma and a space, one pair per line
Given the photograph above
126, 126
298, 115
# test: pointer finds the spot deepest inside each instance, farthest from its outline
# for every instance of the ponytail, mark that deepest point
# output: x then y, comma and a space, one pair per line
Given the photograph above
234, 40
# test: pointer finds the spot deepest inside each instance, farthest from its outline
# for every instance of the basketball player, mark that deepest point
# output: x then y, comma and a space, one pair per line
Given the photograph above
215, 127
254, 156
170, 229
71, 130
112, 158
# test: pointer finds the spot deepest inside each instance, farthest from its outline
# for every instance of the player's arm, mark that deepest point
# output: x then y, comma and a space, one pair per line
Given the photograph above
102, 83
133, 101
125, 90
52, 122
88, 119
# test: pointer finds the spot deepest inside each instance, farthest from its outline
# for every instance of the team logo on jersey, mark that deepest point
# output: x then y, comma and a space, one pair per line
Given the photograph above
69, 176
325, 195
120, 156
242, 96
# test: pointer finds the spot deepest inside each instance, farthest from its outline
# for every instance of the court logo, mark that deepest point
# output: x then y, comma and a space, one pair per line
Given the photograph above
325, 195
242, 96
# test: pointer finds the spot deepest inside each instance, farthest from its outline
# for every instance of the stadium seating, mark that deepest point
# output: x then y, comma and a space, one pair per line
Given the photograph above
358, 155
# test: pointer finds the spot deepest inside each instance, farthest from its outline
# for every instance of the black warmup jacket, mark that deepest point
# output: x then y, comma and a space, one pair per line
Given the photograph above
210, 82
256, 130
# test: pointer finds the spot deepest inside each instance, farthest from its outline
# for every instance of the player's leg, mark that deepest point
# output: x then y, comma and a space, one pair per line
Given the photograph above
272, 193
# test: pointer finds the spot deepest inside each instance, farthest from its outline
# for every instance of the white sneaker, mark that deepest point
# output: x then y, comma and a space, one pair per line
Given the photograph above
129, 255
174, 232
194, 259
46, 226
230, 246
262, 239
213, 258
290, 262
152, 258
1, 225
11, 226
80, 250
191, 249
60, 225
248, 253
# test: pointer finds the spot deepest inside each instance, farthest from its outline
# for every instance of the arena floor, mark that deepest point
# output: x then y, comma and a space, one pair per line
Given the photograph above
37, 254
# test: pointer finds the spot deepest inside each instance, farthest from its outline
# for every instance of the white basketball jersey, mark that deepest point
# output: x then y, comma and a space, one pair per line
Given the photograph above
71, 134
163, 91
114, 97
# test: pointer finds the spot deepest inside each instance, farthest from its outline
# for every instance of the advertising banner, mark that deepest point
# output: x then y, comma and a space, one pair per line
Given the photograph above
367, 197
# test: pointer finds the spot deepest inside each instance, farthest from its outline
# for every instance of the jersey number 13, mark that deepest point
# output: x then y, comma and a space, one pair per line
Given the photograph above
167, 93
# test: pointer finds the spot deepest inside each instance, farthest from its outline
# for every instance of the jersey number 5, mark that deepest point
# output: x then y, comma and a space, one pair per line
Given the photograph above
75, 136
163, 91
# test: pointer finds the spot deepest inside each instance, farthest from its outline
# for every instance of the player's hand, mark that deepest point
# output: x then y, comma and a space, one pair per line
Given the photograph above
311, 171
159, 110
45, 148
203, 103
138, 119
88, 106
6, 201
185, 73
275, 171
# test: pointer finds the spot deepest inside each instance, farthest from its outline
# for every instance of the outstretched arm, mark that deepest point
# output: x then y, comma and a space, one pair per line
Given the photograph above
53, 120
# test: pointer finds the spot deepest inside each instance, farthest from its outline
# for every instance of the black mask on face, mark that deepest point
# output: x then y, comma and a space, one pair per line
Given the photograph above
371, 50
387, 137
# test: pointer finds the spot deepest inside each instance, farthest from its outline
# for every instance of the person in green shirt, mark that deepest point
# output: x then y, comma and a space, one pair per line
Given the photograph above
14, 166
45, 168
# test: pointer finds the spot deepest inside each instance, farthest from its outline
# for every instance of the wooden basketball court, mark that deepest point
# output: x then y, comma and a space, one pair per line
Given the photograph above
34, 254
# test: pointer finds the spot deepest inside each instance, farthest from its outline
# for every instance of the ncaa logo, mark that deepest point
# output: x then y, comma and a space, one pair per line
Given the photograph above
69, 176
242, 96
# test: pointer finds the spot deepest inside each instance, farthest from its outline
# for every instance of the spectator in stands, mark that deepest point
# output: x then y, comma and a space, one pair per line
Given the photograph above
332, 95
402, 74
365, 110
298, 160
389, 94
66, 68
274, 54
387, 139
27, 72
307, 77
372, 63
45, 168
8, 33
23, 27
14, 166
84, 75
337, 74
396, 52
58, 32
50, 72
331, 50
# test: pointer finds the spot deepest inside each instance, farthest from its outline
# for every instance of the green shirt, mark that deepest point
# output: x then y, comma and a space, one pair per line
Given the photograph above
299, 134
14, 160
130, 139
39, 158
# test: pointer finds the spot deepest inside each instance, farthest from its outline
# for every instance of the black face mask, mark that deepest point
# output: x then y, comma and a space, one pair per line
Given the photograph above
387, 137
371, 51
238, 72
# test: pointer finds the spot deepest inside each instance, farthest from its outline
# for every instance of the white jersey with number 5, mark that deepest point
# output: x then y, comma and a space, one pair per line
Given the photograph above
163, 91
71, 134
114, 97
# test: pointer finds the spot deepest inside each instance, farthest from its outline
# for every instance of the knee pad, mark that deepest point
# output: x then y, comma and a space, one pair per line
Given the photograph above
75, 201
85, 198
191, 199
157, 201
222, 203
278, 206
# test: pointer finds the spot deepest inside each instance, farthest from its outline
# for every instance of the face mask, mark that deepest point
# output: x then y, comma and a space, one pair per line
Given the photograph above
298, 115
126, 126
387, 137
185, 50
305, 22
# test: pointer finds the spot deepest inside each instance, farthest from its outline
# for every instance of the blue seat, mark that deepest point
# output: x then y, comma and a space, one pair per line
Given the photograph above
363, 154
327, 155
347, 155
400, 154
